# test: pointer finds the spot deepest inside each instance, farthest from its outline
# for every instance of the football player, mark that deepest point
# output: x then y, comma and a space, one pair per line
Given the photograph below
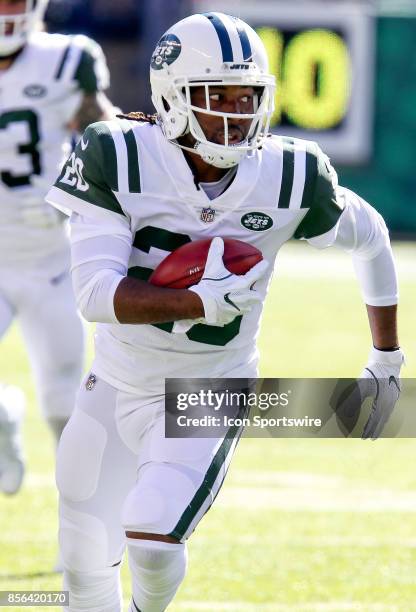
50, 85
138, 188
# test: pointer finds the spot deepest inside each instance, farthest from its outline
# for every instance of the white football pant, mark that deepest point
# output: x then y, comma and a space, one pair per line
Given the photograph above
117, 472
42, 300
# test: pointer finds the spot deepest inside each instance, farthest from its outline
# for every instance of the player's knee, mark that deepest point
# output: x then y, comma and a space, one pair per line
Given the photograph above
158, 500
58, 388
166, 561
83, 541
80, 455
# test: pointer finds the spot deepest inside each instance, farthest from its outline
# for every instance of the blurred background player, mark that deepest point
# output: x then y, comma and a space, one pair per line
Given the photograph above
12, 405
51, 86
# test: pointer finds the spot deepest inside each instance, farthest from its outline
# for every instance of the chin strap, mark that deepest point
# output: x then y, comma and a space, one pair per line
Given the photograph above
226, 159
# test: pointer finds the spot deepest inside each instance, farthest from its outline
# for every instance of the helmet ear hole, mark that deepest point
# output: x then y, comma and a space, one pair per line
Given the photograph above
166, 104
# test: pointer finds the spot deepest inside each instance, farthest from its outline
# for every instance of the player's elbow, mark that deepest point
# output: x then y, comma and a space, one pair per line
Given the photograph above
88, 313
374, 237
362, 230
95, 300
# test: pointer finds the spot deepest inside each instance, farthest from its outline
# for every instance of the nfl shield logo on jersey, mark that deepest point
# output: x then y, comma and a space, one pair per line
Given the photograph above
207, 215
90, 384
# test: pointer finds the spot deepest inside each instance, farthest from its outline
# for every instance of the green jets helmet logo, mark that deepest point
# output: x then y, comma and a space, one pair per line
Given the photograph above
257, 221
167, 51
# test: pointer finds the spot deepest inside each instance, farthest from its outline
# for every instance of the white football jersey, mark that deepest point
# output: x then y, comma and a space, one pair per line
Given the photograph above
127, 173
39, 95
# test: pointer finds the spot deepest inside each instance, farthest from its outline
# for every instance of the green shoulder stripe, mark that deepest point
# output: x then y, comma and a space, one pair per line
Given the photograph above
85, 73
108, 154
90, 173
132, 156
288, 170
319, 195
311, 174
62, 63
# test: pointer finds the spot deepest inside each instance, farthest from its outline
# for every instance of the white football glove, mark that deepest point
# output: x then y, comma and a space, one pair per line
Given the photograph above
34, 210
39, 215
224, 295
380, 379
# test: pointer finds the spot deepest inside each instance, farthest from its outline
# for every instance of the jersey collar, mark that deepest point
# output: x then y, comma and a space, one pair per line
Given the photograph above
181, 176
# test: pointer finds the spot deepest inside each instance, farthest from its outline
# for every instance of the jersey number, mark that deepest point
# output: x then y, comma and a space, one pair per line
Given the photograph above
169, 241
30, 119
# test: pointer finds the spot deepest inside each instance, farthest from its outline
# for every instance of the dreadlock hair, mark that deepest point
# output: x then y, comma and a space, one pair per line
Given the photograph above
139, 116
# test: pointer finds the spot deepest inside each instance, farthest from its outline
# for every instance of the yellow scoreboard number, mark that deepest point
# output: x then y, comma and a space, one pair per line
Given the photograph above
313, 74
323, 57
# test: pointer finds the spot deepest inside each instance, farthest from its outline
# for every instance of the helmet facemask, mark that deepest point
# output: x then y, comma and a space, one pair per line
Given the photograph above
229, 154
180, 118
16, 28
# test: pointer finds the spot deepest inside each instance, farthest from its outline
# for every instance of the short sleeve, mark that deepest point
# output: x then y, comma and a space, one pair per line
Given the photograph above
88, 179
92, 72
324, 207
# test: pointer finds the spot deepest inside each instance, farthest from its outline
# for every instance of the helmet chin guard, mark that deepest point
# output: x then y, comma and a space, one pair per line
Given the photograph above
220, 159
206, 50
16, 29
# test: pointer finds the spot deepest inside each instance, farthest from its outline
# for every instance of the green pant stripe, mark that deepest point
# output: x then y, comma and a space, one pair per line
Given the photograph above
206, 487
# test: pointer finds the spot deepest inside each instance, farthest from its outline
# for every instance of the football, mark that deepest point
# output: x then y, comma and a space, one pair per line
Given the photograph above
185, 266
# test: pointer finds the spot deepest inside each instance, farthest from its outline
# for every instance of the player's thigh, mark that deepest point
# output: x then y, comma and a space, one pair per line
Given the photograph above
178, 480
52, 328
95, 471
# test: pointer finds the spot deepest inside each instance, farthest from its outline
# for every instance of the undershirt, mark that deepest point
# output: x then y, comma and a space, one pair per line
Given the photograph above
213, 190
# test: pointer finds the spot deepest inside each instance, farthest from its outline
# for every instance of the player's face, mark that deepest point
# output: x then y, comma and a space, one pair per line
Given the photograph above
224, 99
12, 7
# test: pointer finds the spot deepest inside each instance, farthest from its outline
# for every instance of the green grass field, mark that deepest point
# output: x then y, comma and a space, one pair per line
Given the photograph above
308, 525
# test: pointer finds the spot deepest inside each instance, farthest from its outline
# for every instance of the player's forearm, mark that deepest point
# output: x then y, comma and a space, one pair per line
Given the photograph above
94, 107
383, 325
136, 301
103, 291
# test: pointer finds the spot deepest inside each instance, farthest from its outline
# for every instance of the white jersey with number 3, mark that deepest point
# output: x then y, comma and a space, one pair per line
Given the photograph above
39, 95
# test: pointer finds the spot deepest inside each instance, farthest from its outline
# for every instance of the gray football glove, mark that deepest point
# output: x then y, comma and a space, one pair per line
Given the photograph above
380, 380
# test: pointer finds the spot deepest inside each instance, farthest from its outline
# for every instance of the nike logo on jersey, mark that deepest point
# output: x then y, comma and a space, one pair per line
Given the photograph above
229, 301
392, 379
84, 145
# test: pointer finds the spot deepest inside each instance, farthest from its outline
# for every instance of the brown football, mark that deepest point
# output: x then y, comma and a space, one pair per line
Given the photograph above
185, 266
